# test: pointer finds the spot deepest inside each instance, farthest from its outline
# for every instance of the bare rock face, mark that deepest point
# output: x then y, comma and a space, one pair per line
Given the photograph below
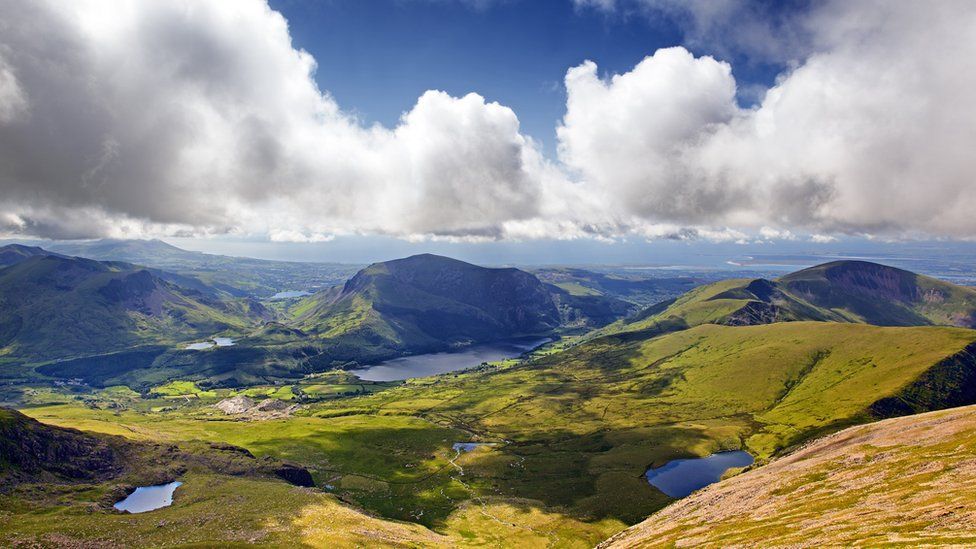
235, 405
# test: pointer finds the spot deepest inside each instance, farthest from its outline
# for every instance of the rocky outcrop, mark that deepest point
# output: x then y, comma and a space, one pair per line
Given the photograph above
271, 405
294, 474
31, 448
235, 405
269, 408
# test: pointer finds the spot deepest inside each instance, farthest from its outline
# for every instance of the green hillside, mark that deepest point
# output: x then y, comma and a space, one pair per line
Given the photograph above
881, 295
58, 307
585, 423
428, 302
842, 291
574, 431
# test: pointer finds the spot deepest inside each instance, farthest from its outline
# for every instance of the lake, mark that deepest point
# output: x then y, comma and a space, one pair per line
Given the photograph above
680, 477
290, 294
148, 498
469, 446
215, 342
441, 363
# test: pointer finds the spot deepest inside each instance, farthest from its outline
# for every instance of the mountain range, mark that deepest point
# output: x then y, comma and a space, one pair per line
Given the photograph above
95, 317
840, 291
234, 276
550, 449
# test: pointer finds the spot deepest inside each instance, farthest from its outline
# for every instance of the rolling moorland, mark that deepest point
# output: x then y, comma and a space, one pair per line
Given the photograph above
566, 431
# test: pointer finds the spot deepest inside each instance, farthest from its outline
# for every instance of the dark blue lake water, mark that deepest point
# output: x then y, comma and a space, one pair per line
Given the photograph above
681, 477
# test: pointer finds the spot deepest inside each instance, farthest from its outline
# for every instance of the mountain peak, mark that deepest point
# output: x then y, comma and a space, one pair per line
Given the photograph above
12, 254
434, 301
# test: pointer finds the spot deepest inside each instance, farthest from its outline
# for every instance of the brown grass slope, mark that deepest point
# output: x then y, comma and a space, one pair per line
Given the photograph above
908, 481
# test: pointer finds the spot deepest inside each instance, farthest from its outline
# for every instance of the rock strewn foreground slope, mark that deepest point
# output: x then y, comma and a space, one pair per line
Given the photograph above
909, 481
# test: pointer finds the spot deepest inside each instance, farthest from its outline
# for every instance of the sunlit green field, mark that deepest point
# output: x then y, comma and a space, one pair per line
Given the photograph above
573, 430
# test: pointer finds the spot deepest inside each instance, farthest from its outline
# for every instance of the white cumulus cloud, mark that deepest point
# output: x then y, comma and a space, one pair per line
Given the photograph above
154, 117
872, 133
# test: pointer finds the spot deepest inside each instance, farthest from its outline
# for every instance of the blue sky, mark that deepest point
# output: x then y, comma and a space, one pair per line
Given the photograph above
377, 56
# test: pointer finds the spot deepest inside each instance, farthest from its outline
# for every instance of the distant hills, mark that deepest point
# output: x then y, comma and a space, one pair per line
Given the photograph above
143, 252
237, 276
841, 291
83, 313
632, 288
859, 291
15, 253
52, 306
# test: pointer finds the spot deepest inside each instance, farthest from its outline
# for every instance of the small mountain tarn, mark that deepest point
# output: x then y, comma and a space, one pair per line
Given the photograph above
679, 478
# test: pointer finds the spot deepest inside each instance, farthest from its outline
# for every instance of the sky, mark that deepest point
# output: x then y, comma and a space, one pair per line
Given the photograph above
377, 56
567, 128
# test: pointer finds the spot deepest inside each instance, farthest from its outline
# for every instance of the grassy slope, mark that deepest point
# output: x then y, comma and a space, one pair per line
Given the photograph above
59, 485
424, 303
902, 482
58, 307
399, 466
773, 382
842, 291
583, 425
236, 511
